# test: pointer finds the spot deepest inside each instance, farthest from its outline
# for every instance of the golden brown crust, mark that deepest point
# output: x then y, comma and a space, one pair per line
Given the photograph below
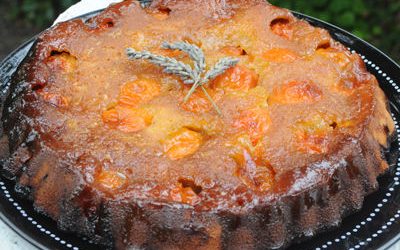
298, 145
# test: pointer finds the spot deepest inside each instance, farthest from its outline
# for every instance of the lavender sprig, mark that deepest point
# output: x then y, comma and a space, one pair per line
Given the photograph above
197, 76
170, 65
194, 52
220, 67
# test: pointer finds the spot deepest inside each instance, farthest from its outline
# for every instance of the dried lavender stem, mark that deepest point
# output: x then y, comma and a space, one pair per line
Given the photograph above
185, 71
211, 100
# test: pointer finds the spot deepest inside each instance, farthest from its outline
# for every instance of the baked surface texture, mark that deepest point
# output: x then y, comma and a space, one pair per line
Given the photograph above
107, 147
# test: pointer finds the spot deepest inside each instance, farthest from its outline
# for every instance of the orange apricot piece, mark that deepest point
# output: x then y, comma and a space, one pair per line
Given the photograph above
255, 122
182, 143
280, 55
127, 119
236, 78
312, 134
336, 56
312, 143
132, 120
138, 92
295, 92
198, 101
111, 117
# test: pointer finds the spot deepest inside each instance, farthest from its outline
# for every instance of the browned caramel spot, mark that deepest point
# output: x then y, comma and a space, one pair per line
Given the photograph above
100, 24
56, 100
233, 51
324, 45
106, 23
183, 194
62, 60
110, 180
257, 177
280, 26
162, 13
189, 183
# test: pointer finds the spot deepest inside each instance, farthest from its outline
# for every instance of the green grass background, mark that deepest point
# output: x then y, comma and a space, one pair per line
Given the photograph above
378, 22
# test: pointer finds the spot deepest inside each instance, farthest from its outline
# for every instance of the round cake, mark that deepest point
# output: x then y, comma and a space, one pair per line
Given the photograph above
218, 124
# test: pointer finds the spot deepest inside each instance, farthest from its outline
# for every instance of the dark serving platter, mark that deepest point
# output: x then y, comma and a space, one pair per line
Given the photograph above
376, 225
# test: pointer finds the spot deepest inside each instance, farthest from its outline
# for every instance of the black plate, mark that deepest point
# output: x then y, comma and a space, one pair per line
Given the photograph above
377, 225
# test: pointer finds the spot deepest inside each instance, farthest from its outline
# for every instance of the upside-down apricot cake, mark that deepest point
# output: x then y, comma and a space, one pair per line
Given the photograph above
215, 124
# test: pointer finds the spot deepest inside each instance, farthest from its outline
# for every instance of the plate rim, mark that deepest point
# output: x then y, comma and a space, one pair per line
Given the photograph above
312, 20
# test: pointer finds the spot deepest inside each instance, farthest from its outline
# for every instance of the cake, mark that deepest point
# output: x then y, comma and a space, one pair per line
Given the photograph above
279, 146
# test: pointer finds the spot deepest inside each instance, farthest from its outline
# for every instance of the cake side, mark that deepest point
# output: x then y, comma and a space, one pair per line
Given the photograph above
332, 121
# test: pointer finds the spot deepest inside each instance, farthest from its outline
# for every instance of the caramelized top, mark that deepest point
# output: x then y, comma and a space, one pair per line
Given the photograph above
290, 104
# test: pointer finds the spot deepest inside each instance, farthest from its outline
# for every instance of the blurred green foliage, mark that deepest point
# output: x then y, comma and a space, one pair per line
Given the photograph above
377, 22
38, 12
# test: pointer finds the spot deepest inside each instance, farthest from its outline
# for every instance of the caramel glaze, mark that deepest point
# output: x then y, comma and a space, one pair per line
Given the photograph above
306, 112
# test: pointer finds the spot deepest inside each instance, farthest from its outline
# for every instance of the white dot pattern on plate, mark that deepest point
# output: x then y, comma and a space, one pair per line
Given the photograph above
34, 222
390, 190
